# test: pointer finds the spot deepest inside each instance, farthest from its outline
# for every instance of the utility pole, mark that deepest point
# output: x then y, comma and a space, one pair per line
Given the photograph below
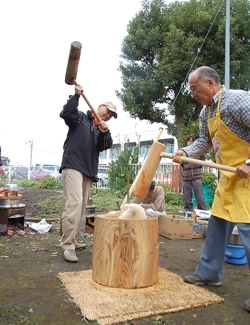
227, 46
31, 151
30, 142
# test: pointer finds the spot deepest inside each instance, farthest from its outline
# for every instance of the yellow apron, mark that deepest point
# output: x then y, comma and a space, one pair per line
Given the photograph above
232, 195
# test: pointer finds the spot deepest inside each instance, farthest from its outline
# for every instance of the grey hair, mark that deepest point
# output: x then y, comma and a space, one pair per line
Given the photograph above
205, 72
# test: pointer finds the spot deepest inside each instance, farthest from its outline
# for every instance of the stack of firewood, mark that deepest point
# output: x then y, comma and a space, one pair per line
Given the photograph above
15, 229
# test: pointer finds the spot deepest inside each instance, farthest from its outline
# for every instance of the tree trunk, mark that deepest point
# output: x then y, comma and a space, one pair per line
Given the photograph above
125, 252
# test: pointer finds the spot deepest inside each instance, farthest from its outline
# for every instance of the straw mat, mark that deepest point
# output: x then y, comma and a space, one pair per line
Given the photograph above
113, 305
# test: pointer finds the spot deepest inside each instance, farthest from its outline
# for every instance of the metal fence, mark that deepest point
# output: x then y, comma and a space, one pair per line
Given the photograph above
37, 172
41, 171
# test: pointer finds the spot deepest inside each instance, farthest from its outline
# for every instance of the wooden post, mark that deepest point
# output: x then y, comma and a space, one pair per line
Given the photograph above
125, 252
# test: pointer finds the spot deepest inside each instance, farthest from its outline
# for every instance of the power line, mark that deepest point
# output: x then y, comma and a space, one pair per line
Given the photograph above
198, 51
57, 153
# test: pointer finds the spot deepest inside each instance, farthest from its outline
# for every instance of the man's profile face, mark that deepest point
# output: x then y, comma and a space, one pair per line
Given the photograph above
202, 91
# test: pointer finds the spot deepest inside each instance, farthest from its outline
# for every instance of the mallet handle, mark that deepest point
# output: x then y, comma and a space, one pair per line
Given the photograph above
200, 162
90, 106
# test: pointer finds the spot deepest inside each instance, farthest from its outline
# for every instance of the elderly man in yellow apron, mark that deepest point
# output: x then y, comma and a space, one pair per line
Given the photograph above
225, 125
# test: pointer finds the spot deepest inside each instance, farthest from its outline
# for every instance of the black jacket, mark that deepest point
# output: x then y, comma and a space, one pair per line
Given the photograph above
84, 141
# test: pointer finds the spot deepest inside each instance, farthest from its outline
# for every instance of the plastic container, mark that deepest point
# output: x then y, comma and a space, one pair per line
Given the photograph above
207, 193
235, 254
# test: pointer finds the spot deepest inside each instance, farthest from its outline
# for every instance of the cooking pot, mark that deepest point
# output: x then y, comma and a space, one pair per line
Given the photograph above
235, 237
11, 187
90, 209
9, 203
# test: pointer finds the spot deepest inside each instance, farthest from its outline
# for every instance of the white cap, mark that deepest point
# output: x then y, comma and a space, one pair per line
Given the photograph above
111, 107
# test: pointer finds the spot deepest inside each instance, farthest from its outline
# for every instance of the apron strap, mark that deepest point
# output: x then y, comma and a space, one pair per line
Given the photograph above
218, 106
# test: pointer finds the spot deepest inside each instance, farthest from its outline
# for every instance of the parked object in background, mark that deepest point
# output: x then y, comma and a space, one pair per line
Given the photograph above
102, 181
43, 171
102, 178
39, 174
22, 172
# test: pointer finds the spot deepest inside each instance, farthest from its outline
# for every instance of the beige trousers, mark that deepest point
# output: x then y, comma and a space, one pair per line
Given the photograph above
76, 187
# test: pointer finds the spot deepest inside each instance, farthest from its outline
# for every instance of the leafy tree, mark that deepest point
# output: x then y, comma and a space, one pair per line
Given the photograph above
5, 161
165, 42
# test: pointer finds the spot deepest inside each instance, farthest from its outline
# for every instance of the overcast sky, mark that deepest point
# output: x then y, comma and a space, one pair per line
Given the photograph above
35, 43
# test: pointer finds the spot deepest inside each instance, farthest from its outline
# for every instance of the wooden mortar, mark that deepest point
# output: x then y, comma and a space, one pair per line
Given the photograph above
125, 252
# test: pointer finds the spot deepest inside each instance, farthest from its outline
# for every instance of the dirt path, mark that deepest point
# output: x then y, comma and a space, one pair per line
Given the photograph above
31, 293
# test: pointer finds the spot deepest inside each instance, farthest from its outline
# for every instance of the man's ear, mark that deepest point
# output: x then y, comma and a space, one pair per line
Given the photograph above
210, 82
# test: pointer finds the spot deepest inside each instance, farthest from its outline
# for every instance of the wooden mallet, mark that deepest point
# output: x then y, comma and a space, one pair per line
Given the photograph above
72, 69
145, 175
147, 172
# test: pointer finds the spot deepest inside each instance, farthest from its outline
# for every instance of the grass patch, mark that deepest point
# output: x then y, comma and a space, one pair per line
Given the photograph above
52, 205
4, 250
14, 314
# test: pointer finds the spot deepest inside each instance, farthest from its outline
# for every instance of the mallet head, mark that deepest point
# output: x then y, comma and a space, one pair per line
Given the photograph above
73, 62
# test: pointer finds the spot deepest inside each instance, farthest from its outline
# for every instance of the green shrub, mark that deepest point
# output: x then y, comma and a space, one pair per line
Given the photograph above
27, 183
173, 199
209, 179
48, 183
122, 168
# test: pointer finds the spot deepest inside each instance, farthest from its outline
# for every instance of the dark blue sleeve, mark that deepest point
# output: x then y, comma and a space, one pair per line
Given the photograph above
70, 112
105, 141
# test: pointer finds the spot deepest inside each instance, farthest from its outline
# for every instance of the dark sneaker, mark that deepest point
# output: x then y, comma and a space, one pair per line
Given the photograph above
79, 246
247, 304
70, 255
199, 281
